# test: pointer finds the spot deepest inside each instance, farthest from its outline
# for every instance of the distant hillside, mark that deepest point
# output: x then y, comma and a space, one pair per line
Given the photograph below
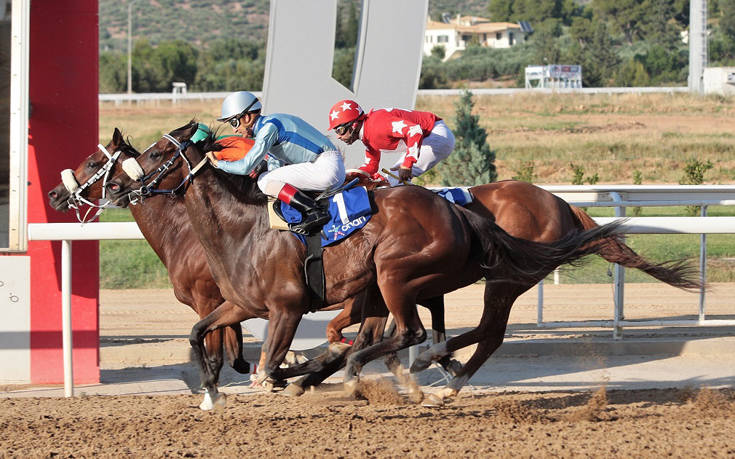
200, 21
195, 21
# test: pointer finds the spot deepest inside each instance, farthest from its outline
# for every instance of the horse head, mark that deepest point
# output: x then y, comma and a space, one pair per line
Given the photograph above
163, 168
90, 180
169, 165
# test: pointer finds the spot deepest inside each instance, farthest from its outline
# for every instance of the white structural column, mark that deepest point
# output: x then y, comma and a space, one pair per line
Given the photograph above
697, 44
298, 67
15, 327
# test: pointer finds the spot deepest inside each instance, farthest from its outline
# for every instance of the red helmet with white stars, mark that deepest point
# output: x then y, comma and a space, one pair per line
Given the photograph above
343, 112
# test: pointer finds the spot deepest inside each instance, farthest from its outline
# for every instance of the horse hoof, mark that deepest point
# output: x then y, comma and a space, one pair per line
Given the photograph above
432, 401
416, 396
419, 365
350, 388
206, 404
268, 385
219, 401
293, 390
454, 367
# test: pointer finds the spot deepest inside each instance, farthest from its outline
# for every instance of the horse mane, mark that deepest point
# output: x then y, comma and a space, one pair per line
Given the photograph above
242, 187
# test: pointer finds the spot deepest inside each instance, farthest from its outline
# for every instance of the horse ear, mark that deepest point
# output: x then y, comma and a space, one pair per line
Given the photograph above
117, 137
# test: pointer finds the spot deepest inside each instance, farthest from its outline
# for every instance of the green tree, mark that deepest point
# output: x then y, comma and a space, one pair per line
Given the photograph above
594, 49
472, 162
632, 73
626, 16
113, 72
348, 24
500, 10
438, 52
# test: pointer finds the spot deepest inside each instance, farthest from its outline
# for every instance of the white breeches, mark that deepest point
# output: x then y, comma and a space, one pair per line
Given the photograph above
435, 147
327, 171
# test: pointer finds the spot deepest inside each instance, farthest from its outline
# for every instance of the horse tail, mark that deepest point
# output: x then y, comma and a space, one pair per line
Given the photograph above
529, 261
677, 273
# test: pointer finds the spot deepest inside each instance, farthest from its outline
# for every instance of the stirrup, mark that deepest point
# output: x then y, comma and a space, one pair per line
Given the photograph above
308, 228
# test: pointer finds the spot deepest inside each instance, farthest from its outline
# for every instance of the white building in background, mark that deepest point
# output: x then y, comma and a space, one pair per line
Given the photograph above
554, 76
458, 33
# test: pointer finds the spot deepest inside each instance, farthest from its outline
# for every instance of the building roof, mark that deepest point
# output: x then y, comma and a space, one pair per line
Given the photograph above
478, 25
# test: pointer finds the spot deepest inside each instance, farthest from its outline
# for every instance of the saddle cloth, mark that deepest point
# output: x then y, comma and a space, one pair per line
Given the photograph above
459, 196
350, 210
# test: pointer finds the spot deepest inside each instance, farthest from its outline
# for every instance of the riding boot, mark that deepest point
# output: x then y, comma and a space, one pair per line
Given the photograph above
313, 216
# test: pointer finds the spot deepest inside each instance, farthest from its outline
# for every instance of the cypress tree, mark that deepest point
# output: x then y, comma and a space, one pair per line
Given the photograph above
472, 162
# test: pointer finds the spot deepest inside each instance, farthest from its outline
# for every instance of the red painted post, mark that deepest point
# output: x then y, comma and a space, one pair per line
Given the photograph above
63, 130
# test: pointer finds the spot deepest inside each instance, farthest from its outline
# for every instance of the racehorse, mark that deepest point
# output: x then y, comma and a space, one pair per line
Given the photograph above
417, 245
528, 212
165, 225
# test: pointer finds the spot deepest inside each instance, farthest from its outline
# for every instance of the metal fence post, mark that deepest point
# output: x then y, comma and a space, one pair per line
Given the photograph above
619, 279
702, 267
540, 304
66, 329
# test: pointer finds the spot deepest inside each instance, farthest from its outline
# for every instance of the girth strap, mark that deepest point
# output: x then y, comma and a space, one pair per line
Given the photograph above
314, 271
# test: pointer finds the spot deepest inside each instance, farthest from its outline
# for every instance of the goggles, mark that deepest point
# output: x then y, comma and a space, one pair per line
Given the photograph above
235, 122
343, 128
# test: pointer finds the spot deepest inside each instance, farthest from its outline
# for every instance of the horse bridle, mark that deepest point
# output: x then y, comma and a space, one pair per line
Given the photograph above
135, 172
76, 199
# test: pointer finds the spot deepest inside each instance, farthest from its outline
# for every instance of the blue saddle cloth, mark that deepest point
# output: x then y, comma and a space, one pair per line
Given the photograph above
459, 196
350, 210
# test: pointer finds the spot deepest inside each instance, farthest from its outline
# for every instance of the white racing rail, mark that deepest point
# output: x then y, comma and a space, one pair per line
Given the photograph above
611, 196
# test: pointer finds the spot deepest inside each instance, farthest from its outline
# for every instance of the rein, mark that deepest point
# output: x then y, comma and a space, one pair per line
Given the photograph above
150, 188
76, 199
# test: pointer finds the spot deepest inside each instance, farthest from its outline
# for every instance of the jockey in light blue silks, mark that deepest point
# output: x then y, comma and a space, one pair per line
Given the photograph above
300, 157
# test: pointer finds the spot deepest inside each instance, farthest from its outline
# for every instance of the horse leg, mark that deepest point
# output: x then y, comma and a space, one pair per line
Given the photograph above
409, 331
233, 349
225, 314
489, 335
493, 302
438, 331
204, 304
282, 326
334, 357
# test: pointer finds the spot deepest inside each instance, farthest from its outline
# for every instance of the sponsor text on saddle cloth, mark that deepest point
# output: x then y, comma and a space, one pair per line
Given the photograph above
349, 209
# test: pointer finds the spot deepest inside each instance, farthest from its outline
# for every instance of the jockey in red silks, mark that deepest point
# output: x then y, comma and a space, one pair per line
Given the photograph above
422, 137
299, 157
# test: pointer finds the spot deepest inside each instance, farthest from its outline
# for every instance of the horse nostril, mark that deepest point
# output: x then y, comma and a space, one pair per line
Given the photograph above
53, 194
114, 187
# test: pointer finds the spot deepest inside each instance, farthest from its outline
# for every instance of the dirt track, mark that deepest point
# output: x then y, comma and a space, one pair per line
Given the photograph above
616, 424
150, 328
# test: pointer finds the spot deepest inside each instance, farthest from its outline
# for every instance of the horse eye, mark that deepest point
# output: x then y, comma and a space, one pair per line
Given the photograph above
155, 154
91, 165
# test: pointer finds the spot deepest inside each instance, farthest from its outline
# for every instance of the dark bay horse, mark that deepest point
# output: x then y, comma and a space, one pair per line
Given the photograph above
417, 245
165, 225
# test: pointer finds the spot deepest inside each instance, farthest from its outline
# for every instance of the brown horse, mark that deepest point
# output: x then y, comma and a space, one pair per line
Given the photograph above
165, 225
528, 212
417, 245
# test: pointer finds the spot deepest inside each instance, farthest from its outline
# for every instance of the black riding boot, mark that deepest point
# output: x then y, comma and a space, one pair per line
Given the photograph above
314, 217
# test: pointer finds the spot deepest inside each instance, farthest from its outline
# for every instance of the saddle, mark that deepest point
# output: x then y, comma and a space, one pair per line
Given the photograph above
350, 208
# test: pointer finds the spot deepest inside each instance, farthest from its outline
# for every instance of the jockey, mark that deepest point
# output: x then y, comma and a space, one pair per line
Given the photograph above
300, 157
422, 137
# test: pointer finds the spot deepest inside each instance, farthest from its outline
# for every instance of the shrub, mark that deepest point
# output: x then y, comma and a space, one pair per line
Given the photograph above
472, 162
